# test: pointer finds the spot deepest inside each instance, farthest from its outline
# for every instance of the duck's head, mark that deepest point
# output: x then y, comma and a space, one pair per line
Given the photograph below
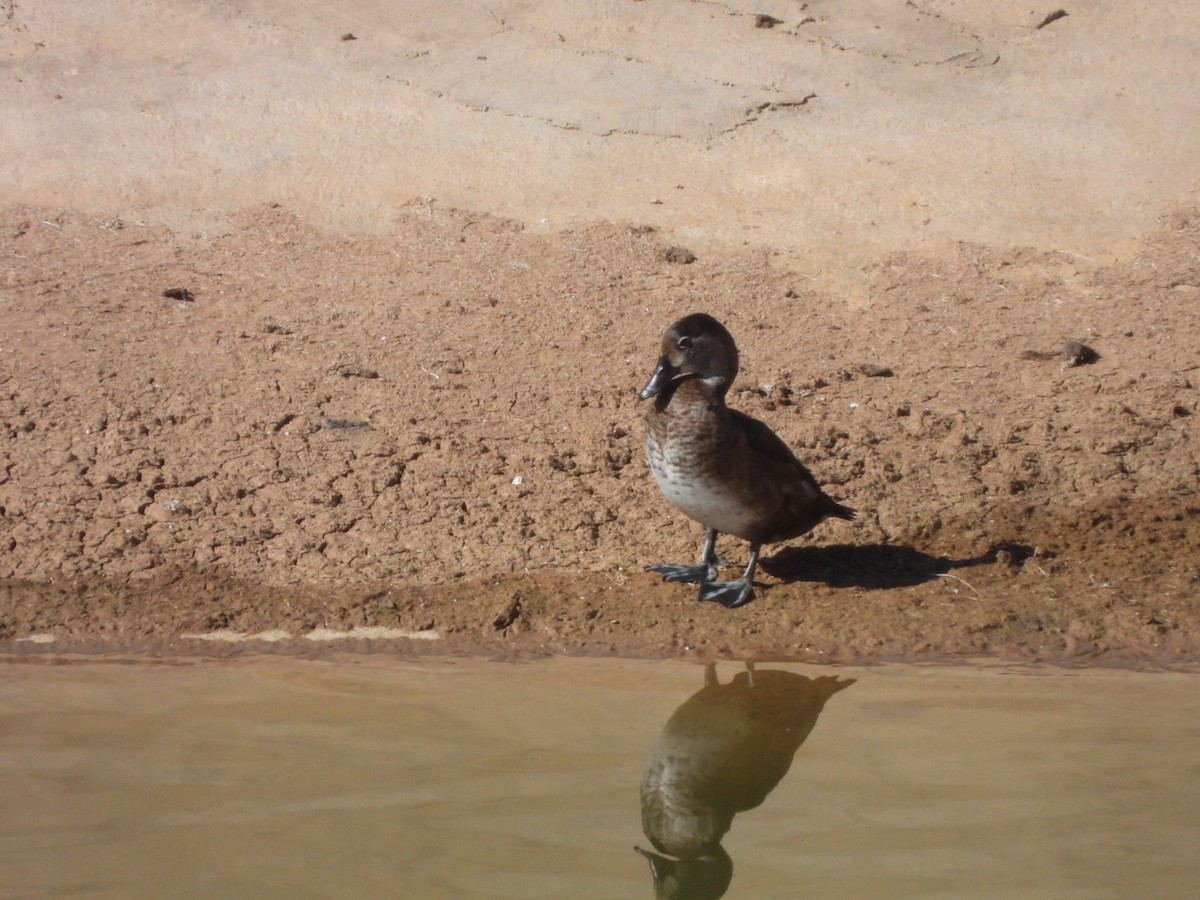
697, 346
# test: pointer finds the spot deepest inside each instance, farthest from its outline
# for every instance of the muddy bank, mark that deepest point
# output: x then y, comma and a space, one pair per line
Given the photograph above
437, 430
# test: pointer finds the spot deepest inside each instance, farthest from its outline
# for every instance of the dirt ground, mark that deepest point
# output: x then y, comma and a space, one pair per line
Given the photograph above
305, 334
437, 430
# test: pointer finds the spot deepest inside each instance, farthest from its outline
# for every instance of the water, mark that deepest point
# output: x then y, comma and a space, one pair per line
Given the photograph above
446, 779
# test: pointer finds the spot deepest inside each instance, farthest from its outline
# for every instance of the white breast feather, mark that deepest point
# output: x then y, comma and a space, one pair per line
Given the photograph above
704, 500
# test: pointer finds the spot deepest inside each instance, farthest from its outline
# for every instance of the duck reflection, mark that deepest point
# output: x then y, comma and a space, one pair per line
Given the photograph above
722, 752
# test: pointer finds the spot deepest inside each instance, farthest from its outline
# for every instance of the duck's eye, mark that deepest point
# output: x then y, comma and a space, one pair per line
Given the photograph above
684, 343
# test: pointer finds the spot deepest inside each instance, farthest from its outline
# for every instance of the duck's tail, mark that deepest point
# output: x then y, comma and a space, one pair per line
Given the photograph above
835, 510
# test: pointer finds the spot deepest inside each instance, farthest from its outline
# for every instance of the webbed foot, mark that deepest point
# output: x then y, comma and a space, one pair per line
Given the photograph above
698, 574
730, 594
701, 573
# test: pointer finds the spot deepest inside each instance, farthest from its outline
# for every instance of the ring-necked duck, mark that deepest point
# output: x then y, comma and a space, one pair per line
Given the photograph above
729, 472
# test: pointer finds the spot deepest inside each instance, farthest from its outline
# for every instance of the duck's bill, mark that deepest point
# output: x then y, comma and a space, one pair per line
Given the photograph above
662, 376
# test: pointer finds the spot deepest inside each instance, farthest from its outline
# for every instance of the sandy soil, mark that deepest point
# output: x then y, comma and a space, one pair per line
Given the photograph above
364, 407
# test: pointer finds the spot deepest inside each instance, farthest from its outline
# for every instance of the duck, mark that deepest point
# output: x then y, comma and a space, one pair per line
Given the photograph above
720, 467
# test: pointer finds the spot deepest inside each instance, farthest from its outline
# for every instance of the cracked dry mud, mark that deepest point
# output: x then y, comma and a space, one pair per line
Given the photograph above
437, 430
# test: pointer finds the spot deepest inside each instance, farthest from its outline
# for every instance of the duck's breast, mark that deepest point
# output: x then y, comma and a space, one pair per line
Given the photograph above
691, 462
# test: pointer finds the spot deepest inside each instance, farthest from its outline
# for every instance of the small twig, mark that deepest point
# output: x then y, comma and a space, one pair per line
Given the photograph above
1077, 255
956, 578
1051, 17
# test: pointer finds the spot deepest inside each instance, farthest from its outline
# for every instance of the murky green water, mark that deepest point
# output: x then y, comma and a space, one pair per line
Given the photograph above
447, 779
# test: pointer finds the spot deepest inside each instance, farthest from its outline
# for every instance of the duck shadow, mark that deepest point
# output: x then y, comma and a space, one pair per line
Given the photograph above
877, 566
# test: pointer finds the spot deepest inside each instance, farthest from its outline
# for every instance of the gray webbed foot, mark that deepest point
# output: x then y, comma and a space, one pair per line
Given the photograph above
701, 573
730, 594
698, 574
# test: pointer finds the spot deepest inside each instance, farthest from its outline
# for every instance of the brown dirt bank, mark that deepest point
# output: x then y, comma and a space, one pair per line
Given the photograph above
437, 429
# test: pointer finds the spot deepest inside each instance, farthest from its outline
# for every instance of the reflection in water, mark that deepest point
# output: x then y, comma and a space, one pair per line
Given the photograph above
721, 753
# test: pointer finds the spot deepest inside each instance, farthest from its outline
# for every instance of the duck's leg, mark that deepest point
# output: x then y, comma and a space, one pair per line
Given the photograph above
704, 571
733, 594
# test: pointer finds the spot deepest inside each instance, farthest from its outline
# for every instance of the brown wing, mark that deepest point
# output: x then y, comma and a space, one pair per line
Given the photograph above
767, 443
763, 440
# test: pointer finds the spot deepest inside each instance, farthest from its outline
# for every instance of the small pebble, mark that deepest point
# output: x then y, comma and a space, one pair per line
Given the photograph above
182, 294
343, 424
356, 372
873, 371
1075, 353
